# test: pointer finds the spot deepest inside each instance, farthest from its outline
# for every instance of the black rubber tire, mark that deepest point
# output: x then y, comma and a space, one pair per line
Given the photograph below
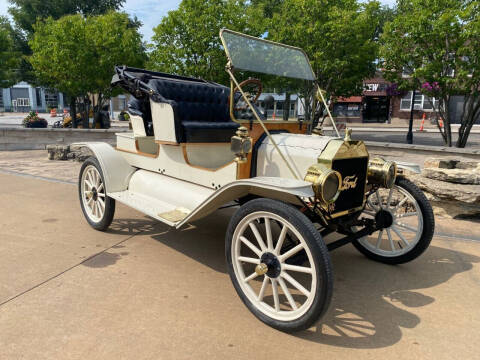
427, 234
319, 253
107, 218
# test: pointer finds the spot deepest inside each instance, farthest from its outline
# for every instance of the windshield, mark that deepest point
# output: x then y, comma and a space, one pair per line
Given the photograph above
262, 56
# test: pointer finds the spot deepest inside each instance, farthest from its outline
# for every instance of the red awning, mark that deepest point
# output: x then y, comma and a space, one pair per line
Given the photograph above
351, 99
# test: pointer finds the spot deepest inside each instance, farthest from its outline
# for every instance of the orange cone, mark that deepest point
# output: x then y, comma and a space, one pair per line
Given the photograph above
422, 123
53, 112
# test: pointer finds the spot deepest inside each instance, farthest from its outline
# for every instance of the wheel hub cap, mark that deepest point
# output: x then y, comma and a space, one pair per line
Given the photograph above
384, 219
272, 264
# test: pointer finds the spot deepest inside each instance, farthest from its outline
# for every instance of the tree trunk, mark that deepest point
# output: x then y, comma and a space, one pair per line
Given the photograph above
286, 107
73, 111
445, 114
94, 125
448, 129
97, 115
470, 114
85, 113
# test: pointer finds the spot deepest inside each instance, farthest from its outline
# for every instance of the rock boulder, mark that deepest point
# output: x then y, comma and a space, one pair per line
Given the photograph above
452, 186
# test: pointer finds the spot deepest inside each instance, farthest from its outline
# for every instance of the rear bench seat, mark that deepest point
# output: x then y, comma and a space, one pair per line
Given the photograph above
201, 109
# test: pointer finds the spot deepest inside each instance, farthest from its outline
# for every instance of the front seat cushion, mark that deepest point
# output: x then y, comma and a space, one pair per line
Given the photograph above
201, 131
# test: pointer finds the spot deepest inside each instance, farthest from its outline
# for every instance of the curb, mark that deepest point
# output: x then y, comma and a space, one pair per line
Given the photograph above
397, 129
14, 138
111, 130
425, 148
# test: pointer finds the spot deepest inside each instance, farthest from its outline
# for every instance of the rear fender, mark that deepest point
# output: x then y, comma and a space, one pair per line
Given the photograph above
116, 170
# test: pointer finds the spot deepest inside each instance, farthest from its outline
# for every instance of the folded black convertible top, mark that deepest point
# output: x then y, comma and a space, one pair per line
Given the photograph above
138, 82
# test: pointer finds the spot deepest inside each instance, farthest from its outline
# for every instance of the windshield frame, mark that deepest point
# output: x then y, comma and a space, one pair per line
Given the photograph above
232, 64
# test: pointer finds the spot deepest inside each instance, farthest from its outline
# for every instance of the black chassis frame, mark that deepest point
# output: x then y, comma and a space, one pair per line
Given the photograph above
343, 225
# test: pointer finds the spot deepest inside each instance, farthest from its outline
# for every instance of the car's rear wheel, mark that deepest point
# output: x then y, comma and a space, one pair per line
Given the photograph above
285, 296
97, 207
407, 222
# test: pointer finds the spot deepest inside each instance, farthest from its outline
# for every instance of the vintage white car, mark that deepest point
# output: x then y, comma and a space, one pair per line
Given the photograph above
197, 145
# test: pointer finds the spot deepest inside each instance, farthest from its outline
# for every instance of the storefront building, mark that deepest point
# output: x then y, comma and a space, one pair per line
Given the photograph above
376, 105
23, 97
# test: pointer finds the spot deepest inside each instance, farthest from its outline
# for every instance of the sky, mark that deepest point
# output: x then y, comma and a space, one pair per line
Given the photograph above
149, 12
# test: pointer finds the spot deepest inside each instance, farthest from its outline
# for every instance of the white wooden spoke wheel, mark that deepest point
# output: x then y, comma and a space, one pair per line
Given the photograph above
406, 221
97, 207
284, 295
93, 191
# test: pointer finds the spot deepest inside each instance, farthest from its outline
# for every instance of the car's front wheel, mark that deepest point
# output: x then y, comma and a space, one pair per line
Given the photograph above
285, 296
97, 207
407, 224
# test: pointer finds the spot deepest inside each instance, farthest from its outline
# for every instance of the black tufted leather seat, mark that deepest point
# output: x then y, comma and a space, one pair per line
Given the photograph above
200, 109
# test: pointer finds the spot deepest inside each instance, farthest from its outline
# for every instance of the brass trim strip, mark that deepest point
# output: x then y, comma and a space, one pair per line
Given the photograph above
161, 142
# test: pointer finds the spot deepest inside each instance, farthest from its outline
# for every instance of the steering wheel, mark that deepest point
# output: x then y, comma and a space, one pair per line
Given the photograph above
252, 89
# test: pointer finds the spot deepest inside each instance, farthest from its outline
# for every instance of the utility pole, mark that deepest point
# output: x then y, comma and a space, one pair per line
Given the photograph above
410, 124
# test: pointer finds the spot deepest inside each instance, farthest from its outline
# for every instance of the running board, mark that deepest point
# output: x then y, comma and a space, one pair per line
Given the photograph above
162, 197
159, 210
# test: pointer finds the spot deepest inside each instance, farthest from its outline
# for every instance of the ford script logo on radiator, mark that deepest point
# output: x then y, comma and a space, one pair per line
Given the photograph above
349, 182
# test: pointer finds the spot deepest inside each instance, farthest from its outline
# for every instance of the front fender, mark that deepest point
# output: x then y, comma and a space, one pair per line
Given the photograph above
415, 168
287, 190
116, 170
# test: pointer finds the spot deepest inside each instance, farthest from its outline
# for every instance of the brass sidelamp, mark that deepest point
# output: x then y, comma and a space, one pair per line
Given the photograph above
241, 144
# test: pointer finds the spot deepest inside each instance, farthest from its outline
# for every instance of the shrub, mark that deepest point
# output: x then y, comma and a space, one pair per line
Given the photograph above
33, 121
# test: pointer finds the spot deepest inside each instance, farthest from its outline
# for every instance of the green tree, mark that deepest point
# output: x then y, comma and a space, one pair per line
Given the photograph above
186, 42
26, 13
267, 7
437, 42
113, 40
8, 55
76, 54
338, 37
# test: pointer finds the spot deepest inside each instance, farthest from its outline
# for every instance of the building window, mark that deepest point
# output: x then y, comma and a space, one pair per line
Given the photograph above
51, 100
346, 110
38, 97
422, 102
23, 102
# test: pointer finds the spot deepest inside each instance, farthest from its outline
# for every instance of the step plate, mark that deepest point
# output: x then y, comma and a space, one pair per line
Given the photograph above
175, 215
162, 211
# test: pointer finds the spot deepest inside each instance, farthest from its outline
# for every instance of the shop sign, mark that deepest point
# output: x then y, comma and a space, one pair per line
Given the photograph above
371, 87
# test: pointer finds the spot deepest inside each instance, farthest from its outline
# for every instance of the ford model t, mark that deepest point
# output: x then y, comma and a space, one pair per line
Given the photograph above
197, 145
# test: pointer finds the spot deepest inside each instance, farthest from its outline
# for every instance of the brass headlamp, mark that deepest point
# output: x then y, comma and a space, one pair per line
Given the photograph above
382, 172
326, 182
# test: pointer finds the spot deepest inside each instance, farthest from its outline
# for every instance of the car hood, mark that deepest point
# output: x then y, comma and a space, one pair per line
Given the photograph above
300, 150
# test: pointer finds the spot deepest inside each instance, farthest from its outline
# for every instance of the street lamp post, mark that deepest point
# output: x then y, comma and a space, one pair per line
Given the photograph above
410, 124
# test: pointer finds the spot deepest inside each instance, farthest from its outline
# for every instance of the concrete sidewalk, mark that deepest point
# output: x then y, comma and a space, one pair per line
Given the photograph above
144, 291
